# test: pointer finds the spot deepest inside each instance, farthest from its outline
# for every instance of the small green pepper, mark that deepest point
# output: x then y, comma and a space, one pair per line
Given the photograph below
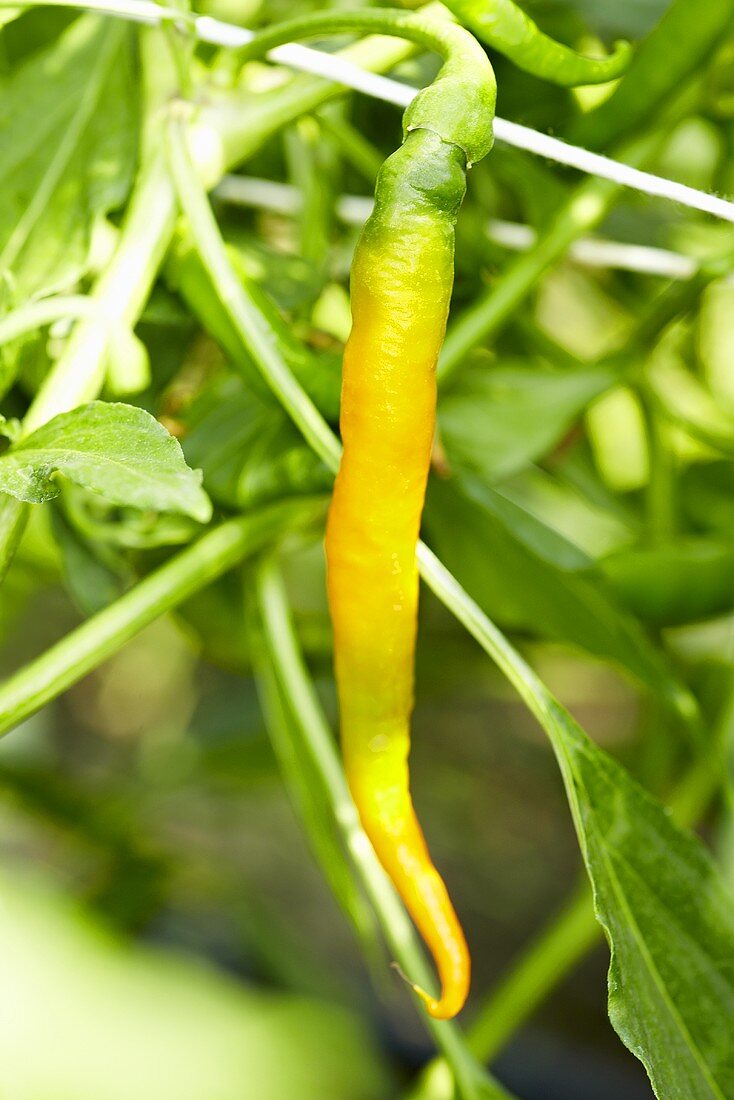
506, 27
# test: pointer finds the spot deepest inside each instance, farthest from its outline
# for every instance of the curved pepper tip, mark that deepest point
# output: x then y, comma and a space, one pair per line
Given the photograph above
453, 994
445, 1007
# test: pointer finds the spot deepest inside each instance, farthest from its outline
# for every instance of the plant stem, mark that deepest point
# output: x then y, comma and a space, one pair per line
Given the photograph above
661, 477
319, 744
247, 319
305, 788
35, 315
103, 634
118, 297
491, 310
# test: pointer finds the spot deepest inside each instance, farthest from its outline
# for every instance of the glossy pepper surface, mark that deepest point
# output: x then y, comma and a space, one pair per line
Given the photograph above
506, 27
401, 288
401, 283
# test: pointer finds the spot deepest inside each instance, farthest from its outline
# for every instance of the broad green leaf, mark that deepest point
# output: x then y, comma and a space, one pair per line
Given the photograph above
667, 914
249, 451
119, 451
67, 152
675, 583
87, 1016
495, 421
88, 569
529, 577
669, 919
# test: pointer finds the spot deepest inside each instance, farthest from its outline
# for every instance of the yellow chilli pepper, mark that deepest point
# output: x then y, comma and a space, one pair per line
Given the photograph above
401, 288
402, 278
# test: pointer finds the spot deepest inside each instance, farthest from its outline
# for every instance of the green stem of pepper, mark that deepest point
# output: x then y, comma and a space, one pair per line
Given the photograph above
459, 103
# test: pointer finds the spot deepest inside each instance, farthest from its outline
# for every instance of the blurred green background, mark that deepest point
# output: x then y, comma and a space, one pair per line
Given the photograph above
166, 932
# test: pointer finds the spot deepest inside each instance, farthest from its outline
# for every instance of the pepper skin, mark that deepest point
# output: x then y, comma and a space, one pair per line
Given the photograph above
505, 27
401, 286
402, 277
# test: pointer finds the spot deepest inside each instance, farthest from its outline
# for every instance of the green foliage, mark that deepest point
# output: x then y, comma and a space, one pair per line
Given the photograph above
119, 451
249, 451
68, 137
487, 541
581, 503
496, 420
670, 923
662, 902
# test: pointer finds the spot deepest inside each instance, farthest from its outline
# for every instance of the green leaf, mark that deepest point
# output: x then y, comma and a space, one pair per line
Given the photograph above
668, 916
495, 421
248, 449
90, 578
119, 451
68, 141
674, 583
529, 577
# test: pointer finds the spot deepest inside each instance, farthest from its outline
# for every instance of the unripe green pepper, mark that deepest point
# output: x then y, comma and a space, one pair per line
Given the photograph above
506, 27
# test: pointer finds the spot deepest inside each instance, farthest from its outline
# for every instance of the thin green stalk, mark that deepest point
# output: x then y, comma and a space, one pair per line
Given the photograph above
311, 168
118, 297
305, 790
661, 477
35, 315
249, 323
319, 744
491, 310
181, 39
352, 144
103, 634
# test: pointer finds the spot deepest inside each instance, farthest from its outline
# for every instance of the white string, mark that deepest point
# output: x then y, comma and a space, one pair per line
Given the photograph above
283, 198
337, 69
